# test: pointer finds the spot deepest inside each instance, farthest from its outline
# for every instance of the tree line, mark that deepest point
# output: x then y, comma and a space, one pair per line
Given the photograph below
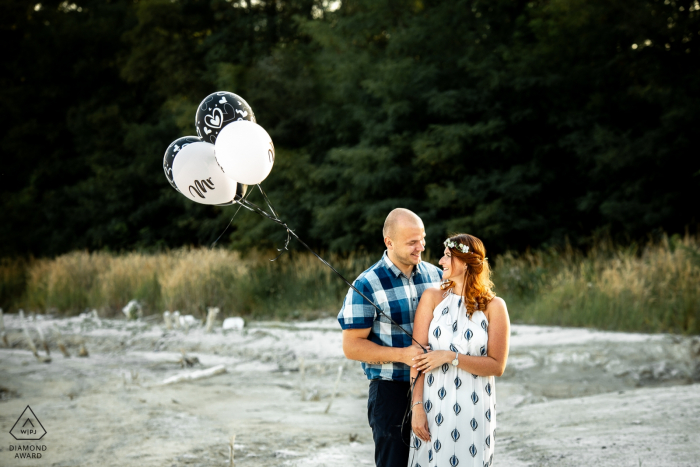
526, 123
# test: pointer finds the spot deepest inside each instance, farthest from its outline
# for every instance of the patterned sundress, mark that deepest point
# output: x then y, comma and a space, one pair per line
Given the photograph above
461, 407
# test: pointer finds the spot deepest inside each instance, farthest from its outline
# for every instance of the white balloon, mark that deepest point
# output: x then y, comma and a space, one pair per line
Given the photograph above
199, 177
245, 152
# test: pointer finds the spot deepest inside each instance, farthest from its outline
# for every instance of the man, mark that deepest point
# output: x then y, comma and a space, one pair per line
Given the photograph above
395, 284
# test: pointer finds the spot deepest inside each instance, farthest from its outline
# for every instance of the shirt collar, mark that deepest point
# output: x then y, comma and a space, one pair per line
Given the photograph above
396, 271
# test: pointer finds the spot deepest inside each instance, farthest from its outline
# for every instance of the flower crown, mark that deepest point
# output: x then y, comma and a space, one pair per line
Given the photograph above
459, 246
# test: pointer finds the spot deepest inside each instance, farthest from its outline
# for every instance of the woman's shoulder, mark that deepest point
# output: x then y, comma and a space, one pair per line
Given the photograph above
432, 295
496, 305
431, 298
496, 302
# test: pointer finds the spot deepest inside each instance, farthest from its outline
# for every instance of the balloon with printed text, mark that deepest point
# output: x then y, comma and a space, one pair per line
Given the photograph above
199, 178
245, 152
241, 190
218, 110
172, 151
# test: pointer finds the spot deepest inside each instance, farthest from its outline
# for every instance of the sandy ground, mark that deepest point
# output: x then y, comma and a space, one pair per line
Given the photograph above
569, 397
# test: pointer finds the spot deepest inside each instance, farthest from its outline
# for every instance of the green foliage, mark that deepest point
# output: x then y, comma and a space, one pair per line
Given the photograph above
13, 282
521, 122
525, 123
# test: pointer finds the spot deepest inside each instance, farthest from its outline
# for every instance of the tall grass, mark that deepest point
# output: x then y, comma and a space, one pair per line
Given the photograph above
651, 288
13, 281
188, 280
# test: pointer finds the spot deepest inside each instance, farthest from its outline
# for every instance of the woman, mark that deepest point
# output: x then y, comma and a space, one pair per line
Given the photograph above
467, 329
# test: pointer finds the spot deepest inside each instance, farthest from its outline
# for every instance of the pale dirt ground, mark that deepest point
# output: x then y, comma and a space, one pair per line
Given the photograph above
569, 397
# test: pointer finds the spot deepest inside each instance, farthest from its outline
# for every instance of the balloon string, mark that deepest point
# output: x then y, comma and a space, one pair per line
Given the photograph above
408, 413
229, 223
253, 207
267, 200
274, 213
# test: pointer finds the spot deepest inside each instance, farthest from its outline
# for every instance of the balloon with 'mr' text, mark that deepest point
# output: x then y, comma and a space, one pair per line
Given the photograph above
172, 151
241, 190
218, 110
198, 176
245, 152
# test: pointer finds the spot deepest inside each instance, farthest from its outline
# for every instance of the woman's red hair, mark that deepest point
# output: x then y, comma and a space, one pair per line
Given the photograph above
478, 288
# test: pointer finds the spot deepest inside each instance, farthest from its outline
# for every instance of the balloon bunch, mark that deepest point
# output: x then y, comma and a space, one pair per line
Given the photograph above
230, 152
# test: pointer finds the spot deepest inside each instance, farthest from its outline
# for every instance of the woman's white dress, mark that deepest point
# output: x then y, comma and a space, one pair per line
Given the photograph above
461, 407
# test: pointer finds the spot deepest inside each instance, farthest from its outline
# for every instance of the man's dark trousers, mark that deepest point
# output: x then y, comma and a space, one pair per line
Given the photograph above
386, 407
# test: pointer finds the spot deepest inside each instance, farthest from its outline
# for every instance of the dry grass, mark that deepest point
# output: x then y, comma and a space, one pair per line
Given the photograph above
188, 280
652, 288
65, 283
196, 279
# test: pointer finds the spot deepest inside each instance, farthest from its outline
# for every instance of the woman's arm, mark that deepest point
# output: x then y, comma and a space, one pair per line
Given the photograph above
421, 325
494, 363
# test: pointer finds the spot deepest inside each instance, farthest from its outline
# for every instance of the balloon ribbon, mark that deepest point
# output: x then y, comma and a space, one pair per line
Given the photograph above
229, 224
290, 233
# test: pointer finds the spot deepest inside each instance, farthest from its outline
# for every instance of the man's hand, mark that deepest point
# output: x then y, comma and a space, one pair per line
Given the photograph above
408, 354
357, 346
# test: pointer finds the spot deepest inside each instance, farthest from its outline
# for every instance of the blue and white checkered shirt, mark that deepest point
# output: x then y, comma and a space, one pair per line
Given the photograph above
398, 297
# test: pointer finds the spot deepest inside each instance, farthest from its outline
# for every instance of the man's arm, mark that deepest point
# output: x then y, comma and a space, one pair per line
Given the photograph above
357, 346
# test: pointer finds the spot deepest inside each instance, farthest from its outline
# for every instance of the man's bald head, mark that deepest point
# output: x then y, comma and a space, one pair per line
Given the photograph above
400, 218
404, 237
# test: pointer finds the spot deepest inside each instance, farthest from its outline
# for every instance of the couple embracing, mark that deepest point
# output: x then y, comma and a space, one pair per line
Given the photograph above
465, 328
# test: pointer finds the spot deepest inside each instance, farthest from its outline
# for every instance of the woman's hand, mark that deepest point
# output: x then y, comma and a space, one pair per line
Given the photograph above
432, 360
419, 423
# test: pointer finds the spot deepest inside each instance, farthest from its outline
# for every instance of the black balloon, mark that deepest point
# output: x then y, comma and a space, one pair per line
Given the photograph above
240, 193
218, 110
173, 151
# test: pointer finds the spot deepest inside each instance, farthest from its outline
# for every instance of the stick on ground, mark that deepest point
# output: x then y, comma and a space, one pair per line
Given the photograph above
230, 450
194, 375
30, 342
211, 316
3, 334
303, 383
335, 388
96, 317
42, 340
59, 342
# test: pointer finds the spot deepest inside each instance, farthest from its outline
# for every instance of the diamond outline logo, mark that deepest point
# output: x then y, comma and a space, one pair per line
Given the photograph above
30, 422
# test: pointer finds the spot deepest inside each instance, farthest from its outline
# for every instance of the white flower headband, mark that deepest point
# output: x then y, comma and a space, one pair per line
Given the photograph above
459, 246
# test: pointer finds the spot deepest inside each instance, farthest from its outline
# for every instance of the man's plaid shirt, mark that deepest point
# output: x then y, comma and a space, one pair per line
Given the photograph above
398, 297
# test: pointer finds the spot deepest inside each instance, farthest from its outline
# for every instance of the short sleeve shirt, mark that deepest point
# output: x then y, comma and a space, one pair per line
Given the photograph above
397, 296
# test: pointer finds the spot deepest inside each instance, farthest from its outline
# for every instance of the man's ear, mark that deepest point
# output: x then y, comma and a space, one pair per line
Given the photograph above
389, 243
